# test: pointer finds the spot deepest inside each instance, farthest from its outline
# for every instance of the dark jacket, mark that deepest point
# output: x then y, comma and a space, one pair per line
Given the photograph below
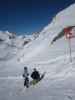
35, 75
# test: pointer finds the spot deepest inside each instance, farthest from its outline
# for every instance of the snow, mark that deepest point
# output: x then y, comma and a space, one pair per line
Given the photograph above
59, 81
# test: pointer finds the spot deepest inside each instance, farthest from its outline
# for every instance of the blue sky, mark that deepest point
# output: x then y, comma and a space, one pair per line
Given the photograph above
27, 16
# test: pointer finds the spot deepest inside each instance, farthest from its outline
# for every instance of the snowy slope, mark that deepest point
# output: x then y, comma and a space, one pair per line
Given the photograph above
61, 20
59, 81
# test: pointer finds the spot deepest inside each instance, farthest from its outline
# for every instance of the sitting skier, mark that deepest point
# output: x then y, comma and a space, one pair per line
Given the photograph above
35, 76
26, 78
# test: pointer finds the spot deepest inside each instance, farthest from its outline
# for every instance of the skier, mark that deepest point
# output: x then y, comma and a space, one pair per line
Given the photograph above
26, 78
35, 76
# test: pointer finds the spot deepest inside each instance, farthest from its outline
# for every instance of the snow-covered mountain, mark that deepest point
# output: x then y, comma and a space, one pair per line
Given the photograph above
10, 44
54, 59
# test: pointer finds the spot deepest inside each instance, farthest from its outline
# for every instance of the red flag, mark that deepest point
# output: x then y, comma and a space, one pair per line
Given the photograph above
69, 32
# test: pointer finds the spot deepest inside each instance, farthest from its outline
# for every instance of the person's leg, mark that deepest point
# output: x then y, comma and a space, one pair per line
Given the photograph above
27, 82
24, 82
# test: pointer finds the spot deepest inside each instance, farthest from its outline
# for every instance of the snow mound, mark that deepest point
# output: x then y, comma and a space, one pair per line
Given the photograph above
42, 46
63, 19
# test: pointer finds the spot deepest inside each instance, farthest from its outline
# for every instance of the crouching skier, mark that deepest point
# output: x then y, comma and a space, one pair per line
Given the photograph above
35, 76
26, 77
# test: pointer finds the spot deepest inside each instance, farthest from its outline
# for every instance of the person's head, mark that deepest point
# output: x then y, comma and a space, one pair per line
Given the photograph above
25, 68
34, 69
